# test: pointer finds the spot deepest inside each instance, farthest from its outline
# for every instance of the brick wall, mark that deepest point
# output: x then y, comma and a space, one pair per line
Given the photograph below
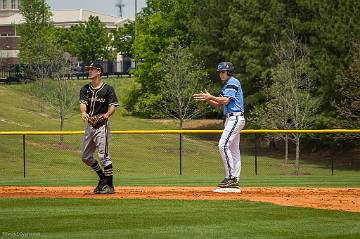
6, 62
9, 43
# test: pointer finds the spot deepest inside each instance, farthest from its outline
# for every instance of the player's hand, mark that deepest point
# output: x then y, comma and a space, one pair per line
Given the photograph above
85, 116
198, 97
207, 95
202, 96
104, 117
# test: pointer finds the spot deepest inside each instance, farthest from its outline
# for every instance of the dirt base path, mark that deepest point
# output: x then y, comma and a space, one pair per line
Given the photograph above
345, 199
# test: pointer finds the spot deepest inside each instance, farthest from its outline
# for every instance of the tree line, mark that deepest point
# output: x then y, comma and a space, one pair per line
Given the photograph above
314, 45
245, 32
298, 61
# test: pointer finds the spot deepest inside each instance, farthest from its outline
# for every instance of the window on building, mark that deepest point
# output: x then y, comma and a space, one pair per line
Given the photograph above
2, 4
13, 4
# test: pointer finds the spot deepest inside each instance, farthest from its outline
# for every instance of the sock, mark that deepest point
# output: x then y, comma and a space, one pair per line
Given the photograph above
108, 171
98, 170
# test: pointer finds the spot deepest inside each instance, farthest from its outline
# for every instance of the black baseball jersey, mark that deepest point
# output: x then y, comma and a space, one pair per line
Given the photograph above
97, 101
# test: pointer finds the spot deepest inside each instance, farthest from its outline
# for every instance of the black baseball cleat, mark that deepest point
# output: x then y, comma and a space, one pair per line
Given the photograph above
229, 183
106, 190
235, 185
101, 184
223, 182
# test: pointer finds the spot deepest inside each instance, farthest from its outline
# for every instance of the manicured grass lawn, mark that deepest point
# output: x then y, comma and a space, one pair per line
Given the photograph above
138, 159
94, 218
253, 181
149, 160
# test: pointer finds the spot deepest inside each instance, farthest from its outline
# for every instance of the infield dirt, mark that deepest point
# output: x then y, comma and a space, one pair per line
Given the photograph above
344, 199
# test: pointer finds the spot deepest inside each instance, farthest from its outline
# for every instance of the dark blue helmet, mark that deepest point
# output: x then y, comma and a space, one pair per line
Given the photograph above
225, 66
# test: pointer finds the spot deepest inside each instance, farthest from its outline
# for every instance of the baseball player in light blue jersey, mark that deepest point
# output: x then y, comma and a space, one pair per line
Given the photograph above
231, 98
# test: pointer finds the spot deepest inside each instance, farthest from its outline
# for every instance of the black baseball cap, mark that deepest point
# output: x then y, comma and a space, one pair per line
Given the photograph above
96, 65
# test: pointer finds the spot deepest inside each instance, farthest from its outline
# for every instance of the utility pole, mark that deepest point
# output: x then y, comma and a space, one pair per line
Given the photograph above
120, 5
135, 65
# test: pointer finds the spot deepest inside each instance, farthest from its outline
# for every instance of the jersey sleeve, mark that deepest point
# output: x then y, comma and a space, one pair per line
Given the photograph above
230, 91
83, 98
113, 100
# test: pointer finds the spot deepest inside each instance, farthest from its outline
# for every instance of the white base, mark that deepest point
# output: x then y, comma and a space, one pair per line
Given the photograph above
227, 190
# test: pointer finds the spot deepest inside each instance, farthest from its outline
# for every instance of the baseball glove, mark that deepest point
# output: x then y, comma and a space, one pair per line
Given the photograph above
97, 121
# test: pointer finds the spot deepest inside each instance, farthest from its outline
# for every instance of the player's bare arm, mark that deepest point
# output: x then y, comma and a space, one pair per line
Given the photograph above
110, 111
84, 115
212, 100
213, 103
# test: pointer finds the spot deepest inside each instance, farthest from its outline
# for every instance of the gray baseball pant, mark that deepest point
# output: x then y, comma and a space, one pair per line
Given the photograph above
96, 138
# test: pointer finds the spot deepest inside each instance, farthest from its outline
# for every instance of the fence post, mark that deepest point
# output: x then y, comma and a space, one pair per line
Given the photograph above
180, 153
256, 155
24, 158
332, 166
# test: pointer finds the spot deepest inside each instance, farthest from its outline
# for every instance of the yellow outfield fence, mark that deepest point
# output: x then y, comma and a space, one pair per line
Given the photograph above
246, 131
157, 151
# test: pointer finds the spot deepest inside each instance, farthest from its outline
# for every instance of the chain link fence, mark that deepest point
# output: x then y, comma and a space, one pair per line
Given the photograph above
43, 157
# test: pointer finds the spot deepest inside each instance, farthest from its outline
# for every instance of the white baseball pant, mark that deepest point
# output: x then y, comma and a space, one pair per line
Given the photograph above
229, 145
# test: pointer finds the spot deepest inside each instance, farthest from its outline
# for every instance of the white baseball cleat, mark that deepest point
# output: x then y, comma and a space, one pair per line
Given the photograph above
227, 190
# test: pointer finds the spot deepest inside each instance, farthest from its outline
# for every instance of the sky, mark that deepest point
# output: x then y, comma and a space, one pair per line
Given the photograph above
107, 7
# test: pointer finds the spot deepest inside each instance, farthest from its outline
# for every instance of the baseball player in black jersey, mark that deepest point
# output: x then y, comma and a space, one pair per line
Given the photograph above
97, 103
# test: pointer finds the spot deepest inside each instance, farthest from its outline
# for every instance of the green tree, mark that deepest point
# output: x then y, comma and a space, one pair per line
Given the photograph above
158, 26
65, 37
44, 59
243, 31
291, 105
329, 28
347, 101
62, 94
208, 22
93, 42
124, 39
36, 13
36, 47
253, 27
183, 76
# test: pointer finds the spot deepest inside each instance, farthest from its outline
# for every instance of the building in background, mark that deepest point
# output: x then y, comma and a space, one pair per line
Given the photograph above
9, 40
10, 17
9, 7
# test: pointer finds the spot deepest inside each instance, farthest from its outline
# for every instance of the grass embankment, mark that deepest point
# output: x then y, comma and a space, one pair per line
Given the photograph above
149, 160
138, 159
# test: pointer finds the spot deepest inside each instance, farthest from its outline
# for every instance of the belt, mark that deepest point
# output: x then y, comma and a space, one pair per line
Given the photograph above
234, 114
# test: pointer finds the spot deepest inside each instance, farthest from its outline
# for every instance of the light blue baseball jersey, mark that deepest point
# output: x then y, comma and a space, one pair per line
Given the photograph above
232, 89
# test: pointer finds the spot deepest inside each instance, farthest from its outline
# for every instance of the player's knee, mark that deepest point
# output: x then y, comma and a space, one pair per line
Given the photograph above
88, 161
101, 156
104, 159
106, 162
222, 146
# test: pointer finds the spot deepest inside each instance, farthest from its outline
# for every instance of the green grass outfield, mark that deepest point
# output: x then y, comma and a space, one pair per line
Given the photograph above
138, 159
94, 218
253, 181
150, 160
